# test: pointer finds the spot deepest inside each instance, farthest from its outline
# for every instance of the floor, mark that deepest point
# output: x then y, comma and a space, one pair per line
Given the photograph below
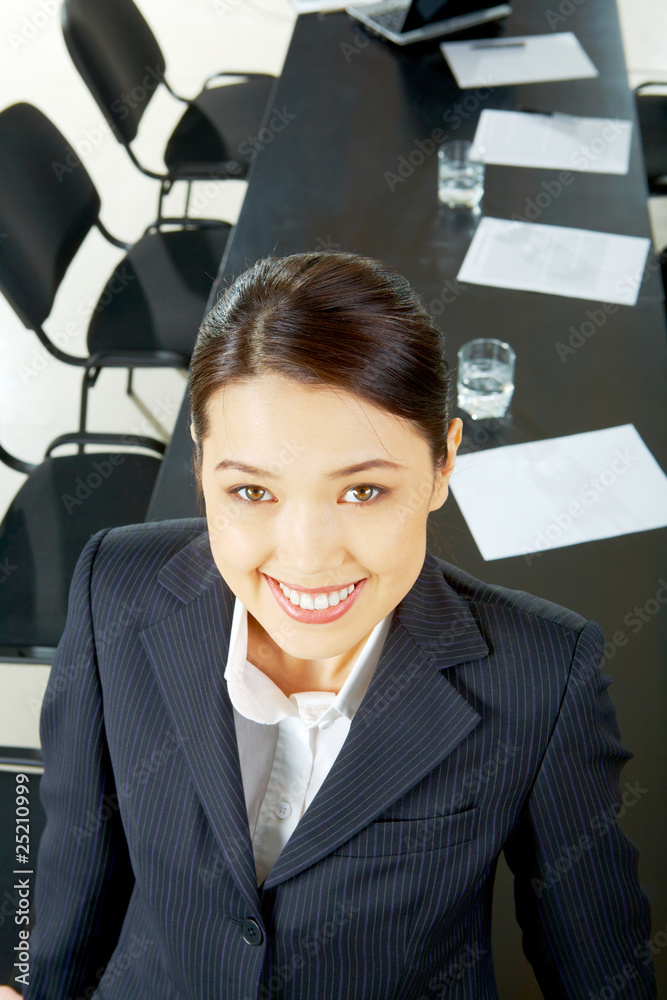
38, 394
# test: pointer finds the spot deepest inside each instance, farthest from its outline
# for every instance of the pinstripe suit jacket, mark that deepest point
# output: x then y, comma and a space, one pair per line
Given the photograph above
486, 726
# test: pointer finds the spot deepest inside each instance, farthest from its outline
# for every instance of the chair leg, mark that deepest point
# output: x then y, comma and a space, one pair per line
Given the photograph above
141, 406
90, 376
165, 188
187, 199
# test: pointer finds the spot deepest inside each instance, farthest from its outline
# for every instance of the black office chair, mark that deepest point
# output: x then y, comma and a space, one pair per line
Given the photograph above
64, 501
652, 116
151, 307
120, 60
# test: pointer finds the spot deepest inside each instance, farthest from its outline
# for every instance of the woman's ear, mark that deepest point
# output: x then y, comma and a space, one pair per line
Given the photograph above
454, 435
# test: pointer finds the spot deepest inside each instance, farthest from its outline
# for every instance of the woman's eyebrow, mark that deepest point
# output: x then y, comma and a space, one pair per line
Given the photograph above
349, 470
250, 470
374, 463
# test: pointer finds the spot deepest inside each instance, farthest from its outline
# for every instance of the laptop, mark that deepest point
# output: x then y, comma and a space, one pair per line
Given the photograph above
406, 21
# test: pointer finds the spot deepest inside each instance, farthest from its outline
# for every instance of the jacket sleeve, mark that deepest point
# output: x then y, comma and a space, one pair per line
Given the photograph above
584, 916
84, 878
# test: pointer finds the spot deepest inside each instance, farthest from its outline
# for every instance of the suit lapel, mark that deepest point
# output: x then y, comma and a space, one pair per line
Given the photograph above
410, 719
188, 651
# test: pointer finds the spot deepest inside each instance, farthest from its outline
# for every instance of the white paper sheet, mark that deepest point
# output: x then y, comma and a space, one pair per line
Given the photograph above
527, 498
520, 59
559, 260
558, 142
311, 6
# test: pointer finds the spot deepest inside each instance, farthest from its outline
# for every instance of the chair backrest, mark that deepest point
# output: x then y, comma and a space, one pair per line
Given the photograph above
652, 116
118, 57
48, 204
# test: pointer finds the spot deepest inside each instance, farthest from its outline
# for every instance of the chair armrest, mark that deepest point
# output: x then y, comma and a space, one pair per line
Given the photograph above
240, 73
650, 83
136, 359
96, 437
187, 222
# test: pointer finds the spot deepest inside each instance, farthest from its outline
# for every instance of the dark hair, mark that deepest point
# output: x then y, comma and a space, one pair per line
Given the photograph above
332, 319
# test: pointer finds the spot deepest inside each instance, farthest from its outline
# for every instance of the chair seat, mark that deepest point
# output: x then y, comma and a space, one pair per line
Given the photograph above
217, 127
65, 501
157, 297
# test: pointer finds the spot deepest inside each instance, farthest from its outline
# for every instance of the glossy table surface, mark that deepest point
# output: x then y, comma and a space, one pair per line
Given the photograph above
349, 163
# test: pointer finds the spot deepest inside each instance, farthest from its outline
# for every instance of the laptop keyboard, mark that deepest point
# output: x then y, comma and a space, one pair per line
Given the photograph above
392, 18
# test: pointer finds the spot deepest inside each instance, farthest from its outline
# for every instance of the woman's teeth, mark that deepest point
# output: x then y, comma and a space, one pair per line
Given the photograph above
316, 602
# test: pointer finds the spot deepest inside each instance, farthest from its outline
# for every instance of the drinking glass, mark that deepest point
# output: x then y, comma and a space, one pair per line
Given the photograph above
460, 179
485, 379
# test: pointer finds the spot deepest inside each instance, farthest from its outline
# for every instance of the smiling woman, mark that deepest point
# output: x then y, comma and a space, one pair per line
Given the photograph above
356, 729
316, 555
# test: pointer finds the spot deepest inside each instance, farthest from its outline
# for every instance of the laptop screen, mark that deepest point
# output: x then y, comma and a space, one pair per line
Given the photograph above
424, 12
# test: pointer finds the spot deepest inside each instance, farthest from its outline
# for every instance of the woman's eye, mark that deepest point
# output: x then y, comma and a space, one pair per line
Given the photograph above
361, 494
253, 494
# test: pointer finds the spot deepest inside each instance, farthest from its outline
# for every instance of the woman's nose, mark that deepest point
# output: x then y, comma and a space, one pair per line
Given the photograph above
310, 543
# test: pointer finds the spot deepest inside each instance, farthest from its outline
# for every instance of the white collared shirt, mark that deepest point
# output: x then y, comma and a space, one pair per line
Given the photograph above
288, 745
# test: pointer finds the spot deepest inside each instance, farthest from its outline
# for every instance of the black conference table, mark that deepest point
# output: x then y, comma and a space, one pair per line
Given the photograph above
352, 111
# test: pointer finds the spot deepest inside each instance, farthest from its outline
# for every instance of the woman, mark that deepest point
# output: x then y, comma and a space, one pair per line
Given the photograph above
285, 747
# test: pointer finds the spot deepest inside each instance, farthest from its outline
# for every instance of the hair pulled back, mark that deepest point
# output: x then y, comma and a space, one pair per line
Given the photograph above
332, 319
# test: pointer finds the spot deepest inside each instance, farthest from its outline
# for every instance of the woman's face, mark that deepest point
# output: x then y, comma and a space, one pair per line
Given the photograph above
310, 492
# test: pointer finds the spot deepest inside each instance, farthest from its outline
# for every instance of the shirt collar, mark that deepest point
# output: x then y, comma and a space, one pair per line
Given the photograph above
255, 696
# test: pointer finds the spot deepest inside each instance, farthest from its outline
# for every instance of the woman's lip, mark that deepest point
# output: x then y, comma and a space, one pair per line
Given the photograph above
323, 617
313, 590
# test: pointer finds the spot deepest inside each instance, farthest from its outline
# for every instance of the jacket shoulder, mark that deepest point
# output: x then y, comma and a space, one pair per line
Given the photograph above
143, 558
477, 592
159, 541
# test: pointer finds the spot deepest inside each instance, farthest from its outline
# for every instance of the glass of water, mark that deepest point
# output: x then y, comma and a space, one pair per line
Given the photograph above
460, 179
485, 377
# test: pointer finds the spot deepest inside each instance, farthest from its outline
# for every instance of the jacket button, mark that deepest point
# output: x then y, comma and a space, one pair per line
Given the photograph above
252, 932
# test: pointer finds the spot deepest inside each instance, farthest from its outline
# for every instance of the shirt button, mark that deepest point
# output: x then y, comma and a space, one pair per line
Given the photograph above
325, 724
252, 932
283, 810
